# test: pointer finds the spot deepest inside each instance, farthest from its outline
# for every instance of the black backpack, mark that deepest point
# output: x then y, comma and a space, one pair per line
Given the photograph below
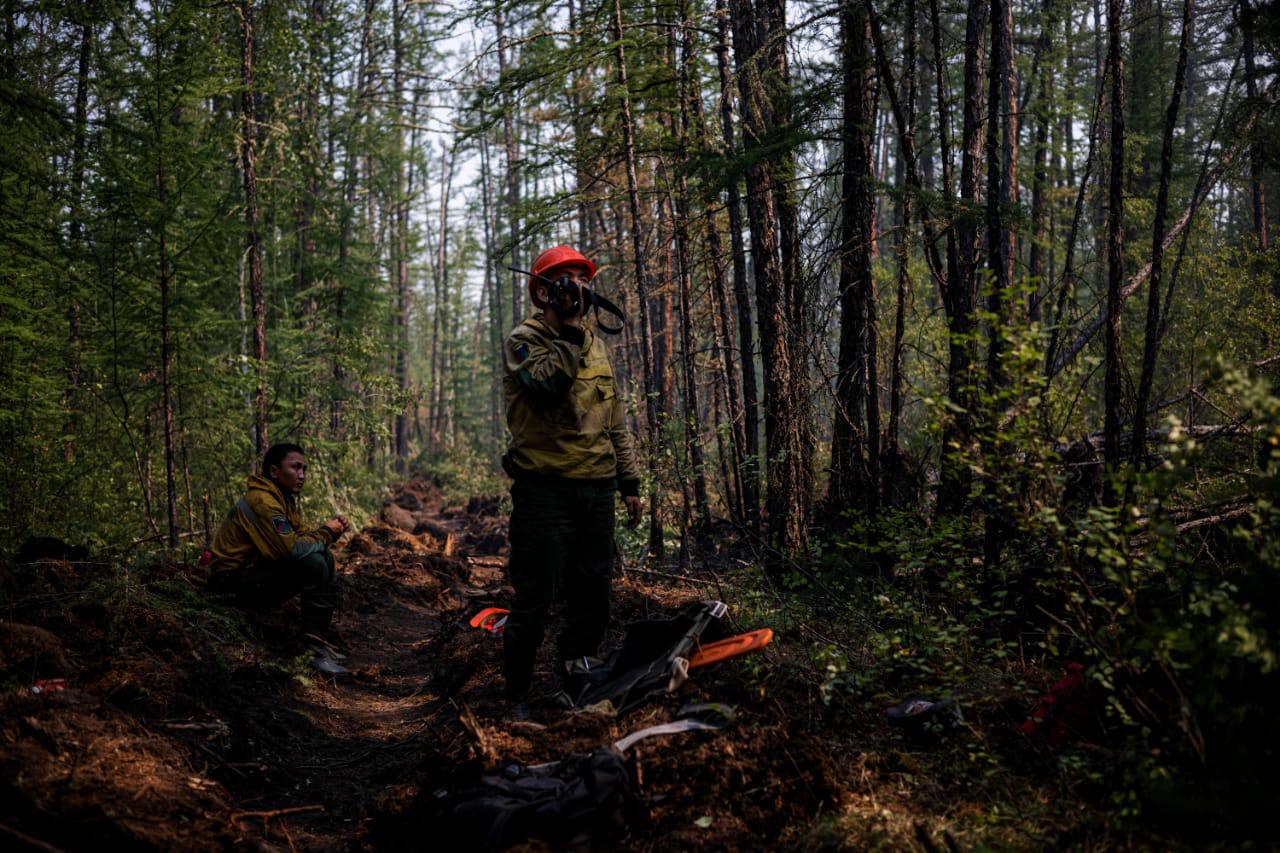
577, 802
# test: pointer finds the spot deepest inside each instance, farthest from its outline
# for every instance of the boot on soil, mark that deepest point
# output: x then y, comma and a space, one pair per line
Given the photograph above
328, 662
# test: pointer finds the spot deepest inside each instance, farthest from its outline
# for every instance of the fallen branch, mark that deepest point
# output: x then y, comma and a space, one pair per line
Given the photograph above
670, 575
1199, 390
1098, 441
267, 815
33, 843
1215, 520
477, 732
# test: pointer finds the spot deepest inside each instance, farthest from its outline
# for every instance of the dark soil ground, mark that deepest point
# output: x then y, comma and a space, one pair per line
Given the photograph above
185, 726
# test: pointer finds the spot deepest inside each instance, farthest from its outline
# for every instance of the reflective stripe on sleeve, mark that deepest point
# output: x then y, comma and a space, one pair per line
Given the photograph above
246, 510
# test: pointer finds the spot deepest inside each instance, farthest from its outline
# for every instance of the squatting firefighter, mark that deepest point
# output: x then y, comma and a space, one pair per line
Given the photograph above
266, 555
570, 452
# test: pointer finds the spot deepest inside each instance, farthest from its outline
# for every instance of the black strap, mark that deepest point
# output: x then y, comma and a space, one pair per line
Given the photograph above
597, 301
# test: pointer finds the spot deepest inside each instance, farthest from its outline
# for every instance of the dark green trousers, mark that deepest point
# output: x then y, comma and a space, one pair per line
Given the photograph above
561, 548
268, 583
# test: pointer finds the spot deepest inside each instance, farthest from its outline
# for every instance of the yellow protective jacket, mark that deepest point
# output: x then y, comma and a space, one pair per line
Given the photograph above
563, 410
266, 524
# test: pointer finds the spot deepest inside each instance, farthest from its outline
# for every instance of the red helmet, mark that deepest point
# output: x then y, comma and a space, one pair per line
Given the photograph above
551, 261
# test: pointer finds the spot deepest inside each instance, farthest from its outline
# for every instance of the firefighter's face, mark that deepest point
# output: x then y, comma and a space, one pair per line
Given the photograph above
291, 473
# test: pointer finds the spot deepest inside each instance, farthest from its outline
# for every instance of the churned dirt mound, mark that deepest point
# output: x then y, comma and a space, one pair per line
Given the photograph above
182, 725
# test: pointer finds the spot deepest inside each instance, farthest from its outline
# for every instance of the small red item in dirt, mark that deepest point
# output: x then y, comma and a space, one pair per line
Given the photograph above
491, 619
733, 647
206, 557
48, 685
1059, 712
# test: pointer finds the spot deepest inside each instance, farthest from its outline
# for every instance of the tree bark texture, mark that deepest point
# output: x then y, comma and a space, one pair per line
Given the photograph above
850, 484
759, 31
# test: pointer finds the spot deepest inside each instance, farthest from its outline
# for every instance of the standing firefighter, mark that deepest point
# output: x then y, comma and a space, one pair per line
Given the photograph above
570, 452
265, 555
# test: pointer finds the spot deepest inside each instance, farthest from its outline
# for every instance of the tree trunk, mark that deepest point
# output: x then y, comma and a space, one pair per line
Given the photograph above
849, 482
1040, 238
249, 167
497, 326
78, 149
401, 215
170, 463
759, 40
902, 247
1151, 343
309, 158
1257, 158
750, 473
693, 437
1002, 187
642, 295
1115, 244
510, 146
960, 297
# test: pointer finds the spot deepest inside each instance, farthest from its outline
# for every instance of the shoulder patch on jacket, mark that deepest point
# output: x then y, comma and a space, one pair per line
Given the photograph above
521, 351
281, 524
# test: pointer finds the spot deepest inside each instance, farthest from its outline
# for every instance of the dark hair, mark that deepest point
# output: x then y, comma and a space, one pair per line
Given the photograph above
275, 455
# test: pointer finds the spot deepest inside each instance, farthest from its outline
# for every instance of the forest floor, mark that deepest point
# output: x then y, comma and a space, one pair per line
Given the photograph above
185, 724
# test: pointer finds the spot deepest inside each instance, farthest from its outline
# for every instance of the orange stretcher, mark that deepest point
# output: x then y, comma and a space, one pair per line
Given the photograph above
732, 647
494, 620
491, 619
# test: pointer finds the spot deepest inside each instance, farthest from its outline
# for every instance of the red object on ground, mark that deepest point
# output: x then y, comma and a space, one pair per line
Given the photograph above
206, 557
743, 644
491, 619
1060, 712
551, 260
49, 685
